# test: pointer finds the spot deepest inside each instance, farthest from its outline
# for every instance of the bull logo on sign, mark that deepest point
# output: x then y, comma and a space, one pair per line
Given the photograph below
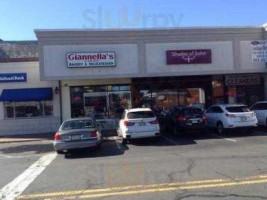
189, 58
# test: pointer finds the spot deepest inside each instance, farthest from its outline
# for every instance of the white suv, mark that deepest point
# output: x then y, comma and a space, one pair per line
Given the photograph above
260, 109
229, 116
138, 123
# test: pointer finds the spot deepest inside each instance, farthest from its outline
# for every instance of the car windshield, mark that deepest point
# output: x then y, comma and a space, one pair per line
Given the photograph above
78, 124
192, 111
237, 109
140, 114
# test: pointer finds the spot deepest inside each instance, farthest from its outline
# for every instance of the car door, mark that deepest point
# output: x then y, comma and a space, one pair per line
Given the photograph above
210, 116
219, 115
260, 110
256, 110
121, 122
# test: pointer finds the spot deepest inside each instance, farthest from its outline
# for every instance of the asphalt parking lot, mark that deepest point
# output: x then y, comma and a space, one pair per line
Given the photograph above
210, 166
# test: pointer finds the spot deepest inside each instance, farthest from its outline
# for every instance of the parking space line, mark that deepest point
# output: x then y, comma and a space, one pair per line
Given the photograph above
169, 140
22, 156
19, 184
228, 139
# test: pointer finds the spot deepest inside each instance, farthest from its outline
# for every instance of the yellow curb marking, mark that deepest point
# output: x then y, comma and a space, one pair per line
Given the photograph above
141, 189
77, 192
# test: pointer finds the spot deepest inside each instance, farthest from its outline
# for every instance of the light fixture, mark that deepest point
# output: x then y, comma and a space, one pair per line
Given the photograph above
56, 90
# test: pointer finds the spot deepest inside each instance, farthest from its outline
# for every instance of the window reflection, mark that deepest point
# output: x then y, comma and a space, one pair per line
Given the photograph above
118, 102
100, 102
28, 109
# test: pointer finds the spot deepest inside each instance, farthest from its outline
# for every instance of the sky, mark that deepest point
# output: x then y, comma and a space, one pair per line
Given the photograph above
19, 18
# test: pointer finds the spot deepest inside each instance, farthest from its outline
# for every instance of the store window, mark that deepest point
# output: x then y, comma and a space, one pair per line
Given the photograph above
118, 101
218, 90
244, 88
100, 102
28, 109
77, 105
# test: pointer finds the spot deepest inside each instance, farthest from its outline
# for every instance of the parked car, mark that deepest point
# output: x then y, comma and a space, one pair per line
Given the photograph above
185, 119
229, 116
76, 134
260, 109
138, 123
198, 105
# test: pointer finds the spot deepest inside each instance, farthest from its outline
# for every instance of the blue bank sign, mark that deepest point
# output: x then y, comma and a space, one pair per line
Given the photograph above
13, 77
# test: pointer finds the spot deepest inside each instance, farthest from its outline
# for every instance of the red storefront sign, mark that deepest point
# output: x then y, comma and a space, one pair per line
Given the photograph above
195, 56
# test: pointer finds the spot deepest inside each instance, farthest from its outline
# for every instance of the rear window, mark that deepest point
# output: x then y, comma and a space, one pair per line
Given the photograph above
192, 111
140, 114
78, 124
236, 109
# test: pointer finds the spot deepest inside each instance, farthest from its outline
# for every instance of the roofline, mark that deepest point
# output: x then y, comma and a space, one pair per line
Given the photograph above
26, 59
152, 29
18, 41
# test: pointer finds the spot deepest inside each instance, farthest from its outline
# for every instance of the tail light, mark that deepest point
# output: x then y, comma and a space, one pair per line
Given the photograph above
230, 115
127, 123
57, 137
94, 134
154, 122
181, 118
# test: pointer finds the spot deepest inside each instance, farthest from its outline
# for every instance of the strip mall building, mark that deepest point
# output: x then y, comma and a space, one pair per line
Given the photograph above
101, 72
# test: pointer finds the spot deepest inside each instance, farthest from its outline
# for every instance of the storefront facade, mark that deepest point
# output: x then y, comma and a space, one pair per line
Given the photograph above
27, 105
103, 72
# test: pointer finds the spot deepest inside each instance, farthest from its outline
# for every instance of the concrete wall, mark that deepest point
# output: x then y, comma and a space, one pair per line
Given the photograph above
29, 125
55, 61
246, 59
156, 59
142, 53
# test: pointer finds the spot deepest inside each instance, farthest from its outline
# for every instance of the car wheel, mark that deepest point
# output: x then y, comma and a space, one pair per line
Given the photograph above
174, 130
124, 141
60, 152
220, 128
203, 132
98, 147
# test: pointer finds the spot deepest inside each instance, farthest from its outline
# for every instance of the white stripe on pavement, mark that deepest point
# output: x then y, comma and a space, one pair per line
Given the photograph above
19, 184
25, 156
228, 139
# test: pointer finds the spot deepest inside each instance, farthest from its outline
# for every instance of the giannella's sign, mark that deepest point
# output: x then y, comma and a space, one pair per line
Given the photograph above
13, 77
98, 59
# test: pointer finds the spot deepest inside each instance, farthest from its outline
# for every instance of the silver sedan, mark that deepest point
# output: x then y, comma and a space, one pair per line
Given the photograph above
77, 133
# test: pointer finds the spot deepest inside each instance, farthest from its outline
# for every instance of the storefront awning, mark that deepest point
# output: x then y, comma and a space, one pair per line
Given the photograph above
29, 94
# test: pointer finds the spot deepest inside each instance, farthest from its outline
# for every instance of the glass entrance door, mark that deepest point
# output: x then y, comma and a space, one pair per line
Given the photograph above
191, 96
96, 105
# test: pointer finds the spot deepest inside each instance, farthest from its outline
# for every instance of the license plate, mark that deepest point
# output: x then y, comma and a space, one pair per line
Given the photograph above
142, 123
75, 137
194, 121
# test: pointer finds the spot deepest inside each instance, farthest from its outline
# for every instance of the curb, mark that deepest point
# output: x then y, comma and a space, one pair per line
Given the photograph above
16, 140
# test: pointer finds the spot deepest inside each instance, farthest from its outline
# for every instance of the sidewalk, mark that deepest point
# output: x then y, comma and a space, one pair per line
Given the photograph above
26, 138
